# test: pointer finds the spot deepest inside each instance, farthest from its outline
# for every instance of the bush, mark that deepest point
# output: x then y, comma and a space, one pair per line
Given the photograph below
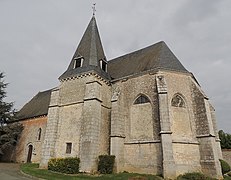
64, 165
193, 176
106, 164
225, 167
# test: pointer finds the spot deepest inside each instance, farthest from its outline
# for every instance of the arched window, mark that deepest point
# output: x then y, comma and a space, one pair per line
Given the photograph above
177, 101
39, 134
141, 100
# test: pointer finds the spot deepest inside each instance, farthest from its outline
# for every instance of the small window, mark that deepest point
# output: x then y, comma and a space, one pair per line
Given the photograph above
178, 101
103, 65
141, 100
68, 148
78, 62
39, 134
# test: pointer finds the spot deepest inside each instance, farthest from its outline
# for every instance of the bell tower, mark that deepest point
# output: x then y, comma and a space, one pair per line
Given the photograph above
80, 117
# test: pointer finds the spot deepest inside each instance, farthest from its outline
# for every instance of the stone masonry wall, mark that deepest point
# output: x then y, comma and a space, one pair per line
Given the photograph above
70, 101
136, 144
180, 84
69, 130
185, 145
28, 137
83, 120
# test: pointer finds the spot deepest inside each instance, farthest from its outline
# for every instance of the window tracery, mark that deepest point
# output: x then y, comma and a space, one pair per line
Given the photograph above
178, 101
141, 100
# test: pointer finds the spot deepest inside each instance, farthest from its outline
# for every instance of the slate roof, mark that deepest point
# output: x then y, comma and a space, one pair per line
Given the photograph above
154, 57
91, 49
37, 106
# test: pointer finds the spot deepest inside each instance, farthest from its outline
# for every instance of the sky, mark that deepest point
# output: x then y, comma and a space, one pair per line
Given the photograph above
39, 38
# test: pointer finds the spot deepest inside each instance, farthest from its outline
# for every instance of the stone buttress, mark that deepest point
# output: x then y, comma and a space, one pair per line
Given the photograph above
206, 133
165, 133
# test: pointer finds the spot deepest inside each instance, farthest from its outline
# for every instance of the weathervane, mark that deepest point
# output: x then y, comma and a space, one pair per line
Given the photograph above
94, 9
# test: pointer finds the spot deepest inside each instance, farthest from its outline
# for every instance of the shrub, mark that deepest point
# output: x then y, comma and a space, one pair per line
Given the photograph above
106, 164
225, 167
193, 176
64, 165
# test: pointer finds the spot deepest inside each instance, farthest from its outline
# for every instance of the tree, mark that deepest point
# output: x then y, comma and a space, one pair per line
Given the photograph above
225, 139
9, 130
6, 111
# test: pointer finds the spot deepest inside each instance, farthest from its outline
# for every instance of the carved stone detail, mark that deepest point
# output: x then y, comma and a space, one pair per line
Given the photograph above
115, 93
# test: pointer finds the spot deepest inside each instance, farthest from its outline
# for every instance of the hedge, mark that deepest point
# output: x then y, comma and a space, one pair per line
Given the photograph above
225, 167
106, 164
64, 165
194, 176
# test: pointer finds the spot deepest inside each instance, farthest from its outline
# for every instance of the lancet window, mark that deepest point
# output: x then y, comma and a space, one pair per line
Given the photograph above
39, 134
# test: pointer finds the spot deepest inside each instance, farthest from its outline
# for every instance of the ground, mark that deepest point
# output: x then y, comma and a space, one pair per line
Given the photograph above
11, 171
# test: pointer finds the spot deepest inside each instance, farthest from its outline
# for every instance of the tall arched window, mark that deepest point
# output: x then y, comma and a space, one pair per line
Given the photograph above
39, 134
141, 121
180, 119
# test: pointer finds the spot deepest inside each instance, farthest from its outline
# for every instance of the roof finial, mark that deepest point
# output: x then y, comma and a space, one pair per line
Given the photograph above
94, 9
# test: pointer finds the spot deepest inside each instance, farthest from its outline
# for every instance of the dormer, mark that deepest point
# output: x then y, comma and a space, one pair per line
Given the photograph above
78, 62
103, 64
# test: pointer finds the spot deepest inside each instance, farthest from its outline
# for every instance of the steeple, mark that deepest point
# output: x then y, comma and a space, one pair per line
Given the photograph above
89, 54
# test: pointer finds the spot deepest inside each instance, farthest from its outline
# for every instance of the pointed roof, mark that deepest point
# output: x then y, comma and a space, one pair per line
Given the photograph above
154, 57
90, 48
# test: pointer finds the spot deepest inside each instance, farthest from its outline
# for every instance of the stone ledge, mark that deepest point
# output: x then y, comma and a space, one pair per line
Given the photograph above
143, 142
118, 136
165, 132
205, 135
185, 142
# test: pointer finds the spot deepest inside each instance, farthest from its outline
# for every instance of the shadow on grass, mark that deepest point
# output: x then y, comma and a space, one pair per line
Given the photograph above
33, 170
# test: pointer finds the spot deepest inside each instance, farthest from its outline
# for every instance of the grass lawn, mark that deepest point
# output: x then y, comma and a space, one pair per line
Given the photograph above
33, 170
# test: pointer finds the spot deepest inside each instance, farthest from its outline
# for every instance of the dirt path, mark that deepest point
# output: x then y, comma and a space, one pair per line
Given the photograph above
11, 171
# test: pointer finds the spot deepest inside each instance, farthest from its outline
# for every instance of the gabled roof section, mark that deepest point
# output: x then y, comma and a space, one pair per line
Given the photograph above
154, 57
90, 49
37, 106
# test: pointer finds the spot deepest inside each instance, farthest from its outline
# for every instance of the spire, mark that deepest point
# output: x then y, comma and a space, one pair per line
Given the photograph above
89, 54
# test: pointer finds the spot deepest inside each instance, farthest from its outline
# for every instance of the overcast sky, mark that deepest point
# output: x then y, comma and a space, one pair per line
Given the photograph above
38, 39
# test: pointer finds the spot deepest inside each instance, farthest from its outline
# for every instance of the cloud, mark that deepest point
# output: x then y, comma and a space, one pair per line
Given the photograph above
39, 38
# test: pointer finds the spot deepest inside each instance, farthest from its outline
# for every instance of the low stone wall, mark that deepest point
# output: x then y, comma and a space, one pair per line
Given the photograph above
226, 153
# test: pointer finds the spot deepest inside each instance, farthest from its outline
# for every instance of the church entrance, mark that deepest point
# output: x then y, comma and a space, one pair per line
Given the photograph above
29, 155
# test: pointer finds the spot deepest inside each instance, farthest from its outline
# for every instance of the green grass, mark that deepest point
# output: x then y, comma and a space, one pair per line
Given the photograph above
33, 170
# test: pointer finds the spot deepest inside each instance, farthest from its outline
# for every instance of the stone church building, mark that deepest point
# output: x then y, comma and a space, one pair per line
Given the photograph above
143, 107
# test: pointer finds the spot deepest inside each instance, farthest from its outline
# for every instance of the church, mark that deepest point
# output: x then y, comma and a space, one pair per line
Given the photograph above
143, 107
